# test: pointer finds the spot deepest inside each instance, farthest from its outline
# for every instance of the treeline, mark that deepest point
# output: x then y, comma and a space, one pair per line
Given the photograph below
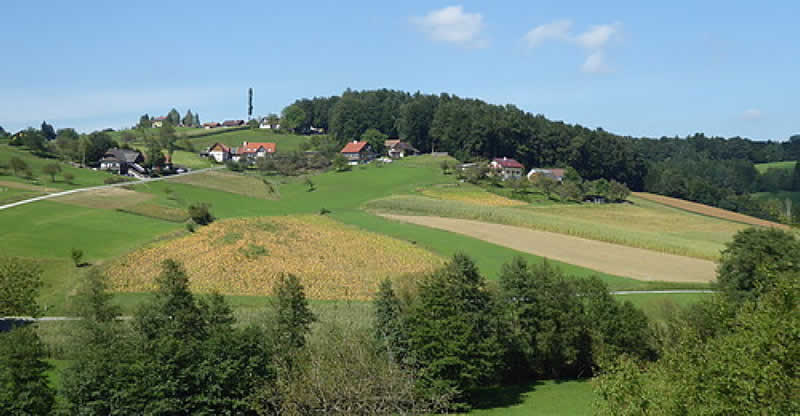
430, 348
711, 170
734, 354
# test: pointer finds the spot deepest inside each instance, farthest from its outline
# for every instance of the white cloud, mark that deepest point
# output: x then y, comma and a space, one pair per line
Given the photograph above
752, 114
558, 30
596, 63
453, 25
597, 36
593, 41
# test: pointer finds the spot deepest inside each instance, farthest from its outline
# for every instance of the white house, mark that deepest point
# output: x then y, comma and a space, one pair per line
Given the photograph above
555, 174
220, 152
507, 168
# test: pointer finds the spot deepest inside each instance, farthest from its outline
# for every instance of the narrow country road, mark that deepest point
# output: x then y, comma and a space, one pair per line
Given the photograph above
115, 185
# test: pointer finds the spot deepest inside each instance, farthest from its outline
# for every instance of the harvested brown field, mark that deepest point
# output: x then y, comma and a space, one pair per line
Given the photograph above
245, 256
27, 187
105, 198
609, 258
708, 210
235, 183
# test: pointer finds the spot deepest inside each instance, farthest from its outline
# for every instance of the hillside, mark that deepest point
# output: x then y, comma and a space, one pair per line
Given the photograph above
763, 167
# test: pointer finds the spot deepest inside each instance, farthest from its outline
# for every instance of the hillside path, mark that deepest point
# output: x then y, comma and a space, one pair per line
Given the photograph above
605, 257
92, 188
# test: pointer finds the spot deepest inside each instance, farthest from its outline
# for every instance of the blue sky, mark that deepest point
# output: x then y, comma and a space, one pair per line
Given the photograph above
674, 68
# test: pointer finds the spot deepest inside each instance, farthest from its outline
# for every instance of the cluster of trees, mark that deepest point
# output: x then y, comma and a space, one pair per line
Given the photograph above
735, 354
286, 163
174, 118
458, 335
66, 144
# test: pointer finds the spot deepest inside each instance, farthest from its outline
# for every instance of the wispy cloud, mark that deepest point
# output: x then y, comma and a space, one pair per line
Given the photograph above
594, 41
752, 114
453, 25
558, 30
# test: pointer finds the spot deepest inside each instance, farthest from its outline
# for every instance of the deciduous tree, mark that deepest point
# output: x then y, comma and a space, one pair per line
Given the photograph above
51, 170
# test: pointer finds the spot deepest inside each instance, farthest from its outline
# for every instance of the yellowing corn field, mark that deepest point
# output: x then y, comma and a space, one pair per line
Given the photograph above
245, 256
470, 194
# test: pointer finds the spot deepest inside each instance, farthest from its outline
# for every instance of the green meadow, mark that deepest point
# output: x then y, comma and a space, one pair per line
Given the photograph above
763, 167
40, 181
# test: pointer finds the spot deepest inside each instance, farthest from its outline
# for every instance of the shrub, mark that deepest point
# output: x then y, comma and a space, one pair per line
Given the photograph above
200, 214
77, 256
68, 177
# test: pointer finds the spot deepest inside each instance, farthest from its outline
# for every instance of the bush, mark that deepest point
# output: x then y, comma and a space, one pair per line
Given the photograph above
77, 256
68, 177
200, 214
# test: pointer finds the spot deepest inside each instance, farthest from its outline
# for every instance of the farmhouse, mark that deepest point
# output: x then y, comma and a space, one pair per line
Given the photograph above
121, 160
269, 124
158, 122
555, 174
211, 125
358, 152
233, 123
398, 149
219, 152
507, 168
253, 150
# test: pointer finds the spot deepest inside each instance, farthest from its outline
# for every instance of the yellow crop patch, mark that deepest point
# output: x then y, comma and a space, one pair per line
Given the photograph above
245, 256
472, 195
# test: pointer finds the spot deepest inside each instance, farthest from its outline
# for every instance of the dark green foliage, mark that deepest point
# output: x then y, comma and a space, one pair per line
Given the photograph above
754, 258
183, 356
24, 388
77, 256
188, 119
453, 332
390, 328
200, 213
547, 326
173, 118
293, 118
92, 301
19, 286
48, 131
19, 166
340, 164
375, 139
51, 170
747, 367
95, 145
291, 316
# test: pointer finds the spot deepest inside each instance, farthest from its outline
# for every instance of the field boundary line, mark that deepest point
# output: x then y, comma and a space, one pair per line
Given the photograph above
113, 185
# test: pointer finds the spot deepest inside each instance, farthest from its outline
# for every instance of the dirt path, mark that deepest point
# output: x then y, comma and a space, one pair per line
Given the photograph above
604, 257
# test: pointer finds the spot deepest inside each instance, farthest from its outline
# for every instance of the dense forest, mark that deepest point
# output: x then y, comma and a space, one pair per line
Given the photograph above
710, 170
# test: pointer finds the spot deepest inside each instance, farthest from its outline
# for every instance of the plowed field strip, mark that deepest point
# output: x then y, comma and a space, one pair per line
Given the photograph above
605, 257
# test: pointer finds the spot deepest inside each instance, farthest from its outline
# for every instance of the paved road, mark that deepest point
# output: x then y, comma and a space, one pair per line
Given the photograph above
73, 191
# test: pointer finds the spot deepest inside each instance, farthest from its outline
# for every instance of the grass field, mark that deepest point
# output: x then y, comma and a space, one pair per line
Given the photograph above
780, 196
469, 193
246, 256
283, 142
227, 181
763, 167
10, 194
643, 224
543, 398
708, 210
83, 177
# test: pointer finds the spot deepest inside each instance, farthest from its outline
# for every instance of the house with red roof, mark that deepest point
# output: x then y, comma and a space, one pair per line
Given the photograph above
506, 168
219, 152
252, 150
357, 152
158, 122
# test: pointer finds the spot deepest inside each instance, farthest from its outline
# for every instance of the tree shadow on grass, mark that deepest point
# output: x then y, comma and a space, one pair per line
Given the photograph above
503, 396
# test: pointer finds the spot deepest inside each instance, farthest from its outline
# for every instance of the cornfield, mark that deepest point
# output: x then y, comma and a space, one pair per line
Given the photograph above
245, 256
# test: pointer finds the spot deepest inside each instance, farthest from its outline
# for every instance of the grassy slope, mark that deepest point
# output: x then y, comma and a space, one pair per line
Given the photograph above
763, 167
284, 142
83, 177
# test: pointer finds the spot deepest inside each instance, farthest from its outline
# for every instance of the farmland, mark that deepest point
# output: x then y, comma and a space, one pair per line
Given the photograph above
708, 210
763, 167
471, 194
245, 256
642, 224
